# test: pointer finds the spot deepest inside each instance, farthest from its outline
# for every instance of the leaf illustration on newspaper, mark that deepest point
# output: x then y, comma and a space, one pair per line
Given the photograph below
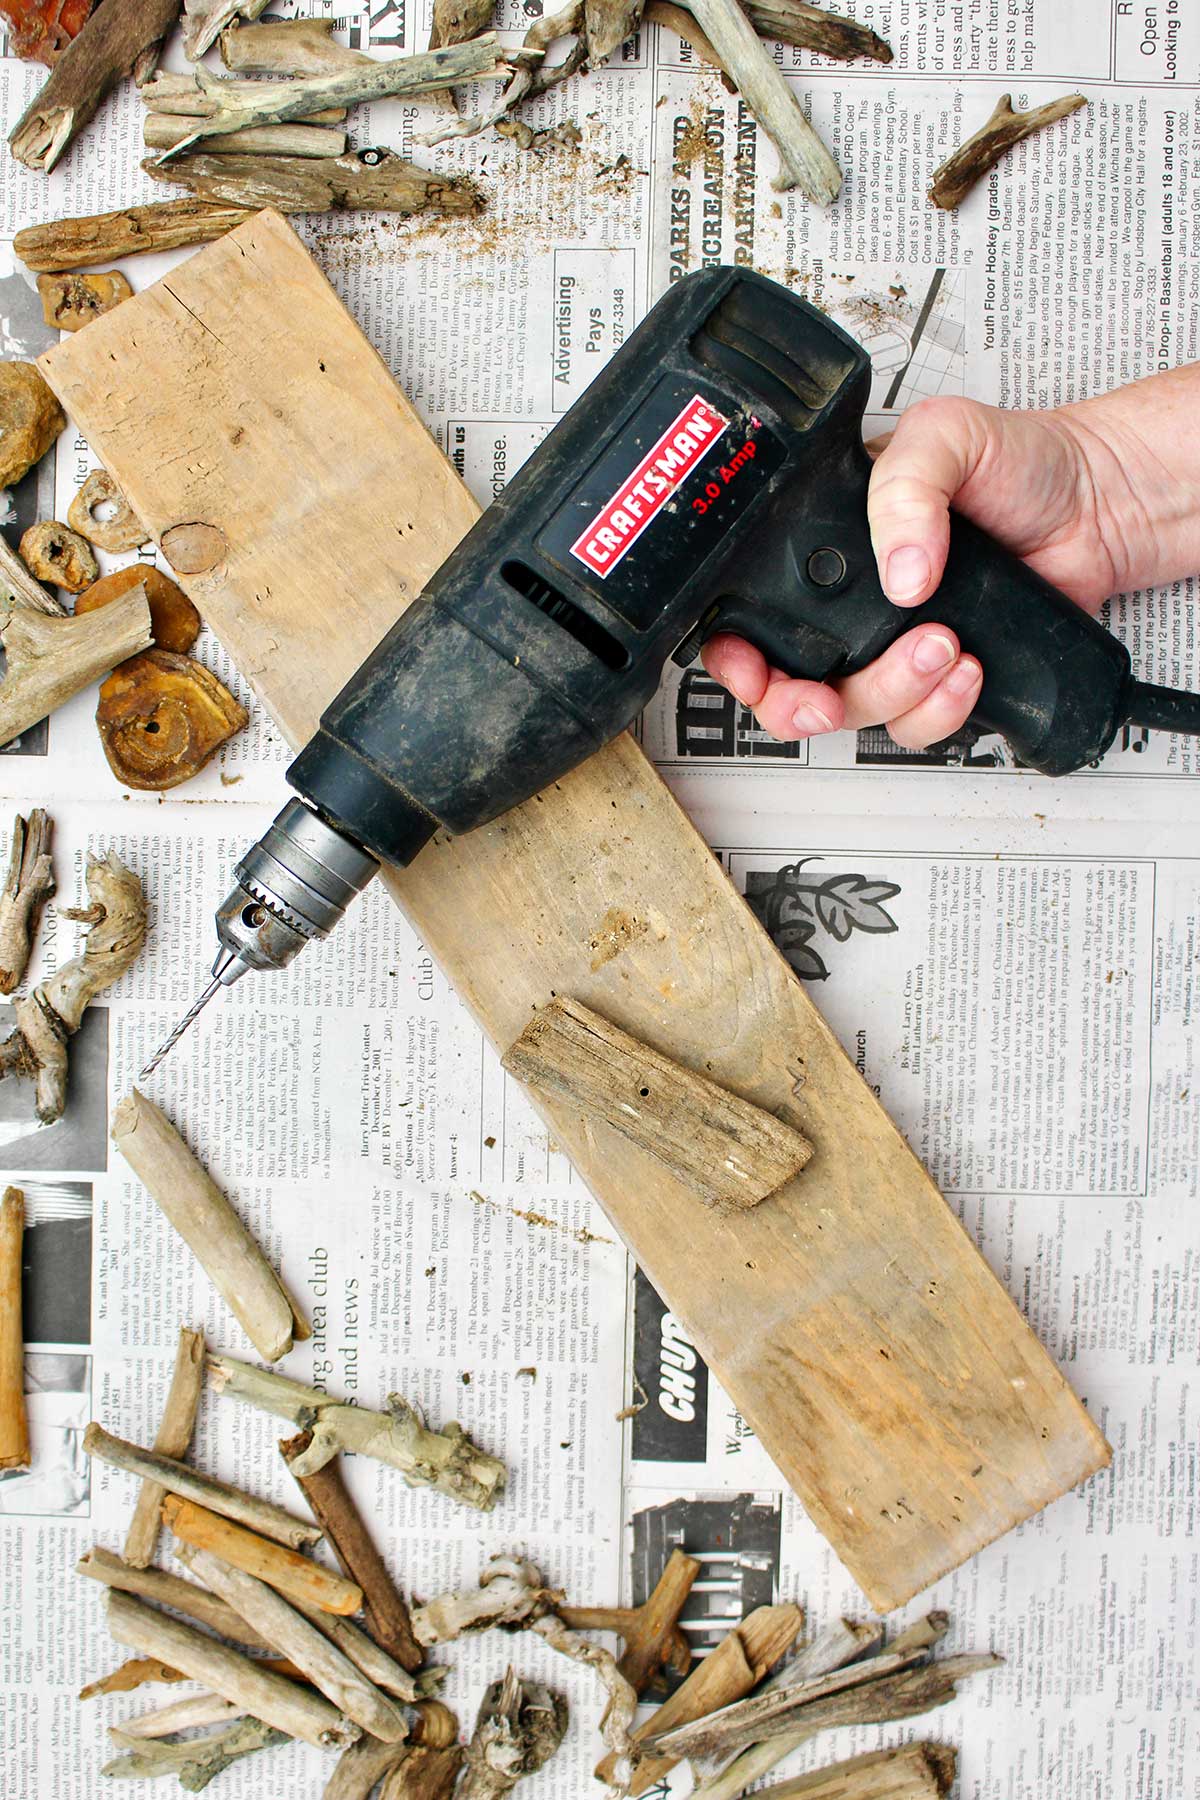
793, 903
847, 903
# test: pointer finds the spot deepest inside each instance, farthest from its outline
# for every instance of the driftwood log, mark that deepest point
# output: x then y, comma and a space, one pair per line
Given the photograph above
27, 887
199, 95
289, 47
49, 1017
263, 1558
51, 659
197, 1209
14, 1421
378, 181
134, 231
173, 1438
651, 1631
169, 1590
372, 1659
519, 1726
115, 42
954, 179
194, 1761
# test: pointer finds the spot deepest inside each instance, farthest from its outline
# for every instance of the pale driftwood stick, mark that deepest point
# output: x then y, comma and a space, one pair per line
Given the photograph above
182, 95
14, 1422
49, 660
676, 19
447, 1459
738, 1664
169, 1590
52, 1014
138, 1671
424, 73
264, 1559
366, 1654
905, 1772
107, 49
510, 1592
288, 47
194, 1204
29, 885
294, 184
286, 1705
731, 1152
173, 1438
205, 20
617, 1721
290, 1632
162, 131
954, 179
195, 1761
651, 1631
333, 1508
263, 1516
180, 1715
519, 1726
811, 28
135, 230
804, 161
18, 587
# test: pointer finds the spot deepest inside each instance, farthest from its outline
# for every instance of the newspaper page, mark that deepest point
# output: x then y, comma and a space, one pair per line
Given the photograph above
1009, 961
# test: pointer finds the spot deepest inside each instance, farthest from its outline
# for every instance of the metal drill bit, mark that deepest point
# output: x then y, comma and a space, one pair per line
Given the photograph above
187, 1019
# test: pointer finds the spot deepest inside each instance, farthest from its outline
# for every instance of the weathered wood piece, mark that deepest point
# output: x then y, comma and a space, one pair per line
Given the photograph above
161, 717
288, 1706
180, 1715
162, 131
49, 660
954, 179
421, 1775
27, 886
288, 47
853, 1322
447, 1460
729, 1151
812, 28
263, 1558
346, 1534
510, 1593
192, 1484
14, 1421
195, 1206
110, 46
905, 1772
205, 20
651, 1631
138, 1671
367, 1655
17, 585
165, 1589
199, 95
194, 1761
519, 1726
622, 1701
294, 184
40, 30
133, 231
681, 22
172, 1438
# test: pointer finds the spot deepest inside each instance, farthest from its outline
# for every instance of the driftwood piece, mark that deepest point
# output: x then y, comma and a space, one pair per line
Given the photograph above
173, 1438
180, 1715
456, 21
69, 302
375, 1663
510, 1593
519, 1726
208, 1224
111, 44
262, 1558
904, 1772
40, 30
56, 554
447, 1460
651, 1631
199, 95
289, 47
294, 184
89, 514
18, 587
28, 885
169, 1590
812, 28
329, 1670
618, 1716
531, 73
731, 1152
162, 131
738, 1664
362, 1767
49, 1017
134, 230
677, 19
288, 1706
14, 1421
49, 660
139, 1671
162, 717
195, 1761
173, 619
346, 1534
423, 1775
954, 179
262, 1516
205, 20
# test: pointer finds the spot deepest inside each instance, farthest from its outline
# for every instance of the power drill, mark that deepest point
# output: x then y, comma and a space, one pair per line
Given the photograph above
712, 478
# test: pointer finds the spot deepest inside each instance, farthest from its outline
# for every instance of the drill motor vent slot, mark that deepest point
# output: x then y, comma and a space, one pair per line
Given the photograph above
580, 625
742, 338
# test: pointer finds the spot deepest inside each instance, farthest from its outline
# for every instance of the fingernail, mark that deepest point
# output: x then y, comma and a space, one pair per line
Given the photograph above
962, 679
907, 574
932, 652
810, 720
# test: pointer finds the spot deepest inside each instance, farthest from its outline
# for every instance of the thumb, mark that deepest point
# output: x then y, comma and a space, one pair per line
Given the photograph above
932, 453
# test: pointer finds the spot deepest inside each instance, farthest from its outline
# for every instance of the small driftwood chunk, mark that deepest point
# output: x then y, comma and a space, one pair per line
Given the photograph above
812, 28
162, 131
289, 47
289, 1707
447, 1460
17, 586
53, 552
101, 514
205, 20
173, 1438
179, 1715
162, 717
346, 1534
197, 1209
263, 1558
133, 231
293, 184
27, 887
519, 1727
651, 1631
621, 1710
738, 1664
14, 1422
112, 43
49, 660
196, 1761
954, 179
69, 302
262, 1516
423, 1775
40, 30
728, 1151
905, 1772
455, 21
169, 1590
139, 1671
510, 1593
329, 1670
30, 420
52, 1014
174, 621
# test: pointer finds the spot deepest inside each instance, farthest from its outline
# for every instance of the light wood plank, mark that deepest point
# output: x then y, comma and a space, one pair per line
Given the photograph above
881, 1363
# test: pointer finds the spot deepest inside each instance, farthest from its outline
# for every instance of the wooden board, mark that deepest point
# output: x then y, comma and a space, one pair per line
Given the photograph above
883, 1366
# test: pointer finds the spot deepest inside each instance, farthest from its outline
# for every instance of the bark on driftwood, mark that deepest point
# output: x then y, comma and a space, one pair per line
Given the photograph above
812, 28
27, 887
289, 47
375, 181
115, 40
52, 659
52, 1014
173, 1438
283, 1568
519, 1727
14, 1422
134, 231
955, 178
196, 1761
199, 95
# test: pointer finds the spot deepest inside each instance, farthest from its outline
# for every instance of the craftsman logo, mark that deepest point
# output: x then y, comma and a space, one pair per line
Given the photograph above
622, 520
673, 1375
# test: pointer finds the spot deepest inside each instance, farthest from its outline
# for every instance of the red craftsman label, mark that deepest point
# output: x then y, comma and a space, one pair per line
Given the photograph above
622, 520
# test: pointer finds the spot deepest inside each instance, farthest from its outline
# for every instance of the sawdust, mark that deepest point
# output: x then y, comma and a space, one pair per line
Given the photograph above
690, 145
580, 1233
615, 932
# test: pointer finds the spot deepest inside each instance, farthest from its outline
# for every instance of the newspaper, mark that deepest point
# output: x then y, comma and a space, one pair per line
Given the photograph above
1010, 962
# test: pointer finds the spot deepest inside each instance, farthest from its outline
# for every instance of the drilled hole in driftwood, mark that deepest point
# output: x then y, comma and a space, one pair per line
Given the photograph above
151, 725
103, 511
